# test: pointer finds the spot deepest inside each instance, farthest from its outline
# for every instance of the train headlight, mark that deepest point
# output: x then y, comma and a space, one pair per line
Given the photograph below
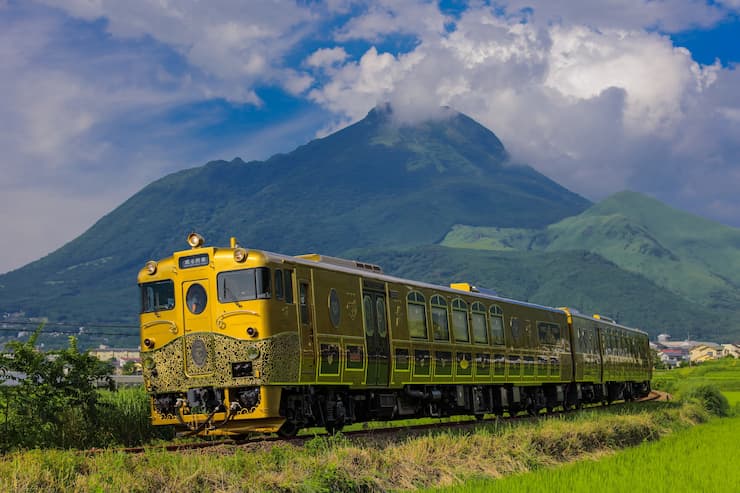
149, 342
240, 255
252, 332
195, 240
253, 353
151, 267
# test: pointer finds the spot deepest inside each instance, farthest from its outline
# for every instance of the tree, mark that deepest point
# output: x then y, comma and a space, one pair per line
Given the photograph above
53, 398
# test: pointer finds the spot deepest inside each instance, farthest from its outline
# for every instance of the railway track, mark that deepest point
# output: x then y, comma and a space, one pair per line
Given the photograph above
376, 434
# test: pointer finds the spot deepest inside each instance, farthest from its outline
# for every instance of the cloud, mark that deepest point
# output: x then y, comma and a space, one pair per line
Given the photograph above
665, 15
101, 97
598, 107
326, 57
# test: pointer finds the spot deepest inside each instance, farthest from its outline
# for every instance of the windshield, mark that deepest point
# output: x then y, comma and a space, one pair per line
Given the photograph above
243, 285
157, 296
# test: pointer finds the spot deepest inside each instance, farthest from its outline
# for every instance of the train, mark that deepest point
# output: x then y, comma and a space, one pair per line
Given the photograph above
237, 341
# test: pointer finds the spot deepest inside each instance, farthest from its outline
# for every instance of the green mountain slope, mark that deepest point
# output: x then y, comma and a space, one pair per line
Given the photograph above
693, 258
372, 184
578, 279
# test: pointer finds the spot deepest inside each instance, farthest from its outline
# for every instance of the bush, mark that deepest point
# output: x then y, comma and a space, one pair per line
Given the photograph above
54, 399
711, 398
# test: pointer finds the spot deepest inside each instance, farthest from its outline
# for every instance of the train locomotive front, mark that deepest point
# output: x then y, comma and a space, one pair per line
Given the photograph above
214, 343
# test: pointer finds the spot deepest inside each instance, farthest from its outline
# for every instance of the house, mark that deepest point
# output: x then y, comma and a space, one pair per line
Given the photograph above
731, 350
118, 357
705, 351
673, 357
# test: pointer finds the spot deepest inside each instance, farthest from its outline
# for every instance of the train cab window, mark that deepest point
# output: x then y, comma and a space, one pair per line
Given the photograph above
288, 277
157, 296
478, 322
417, 315
497, 325
244, 285
278, 284
460, 321
440, 326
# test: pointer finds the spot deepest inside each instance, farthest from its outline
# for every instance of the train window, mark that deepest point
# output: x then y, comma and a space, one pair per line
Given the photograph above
196, 299
478, 319
460, 321
549, 333
440, 326
157, 296
303, 302
417, 315
516, 331
288, 276
497, 325
380, 314
243, 285
278, 284
335, 312
367, 302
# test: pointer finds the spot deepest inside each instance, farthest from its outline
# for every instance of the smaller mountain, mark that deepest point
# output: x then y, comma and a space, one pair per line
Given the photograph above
694, 258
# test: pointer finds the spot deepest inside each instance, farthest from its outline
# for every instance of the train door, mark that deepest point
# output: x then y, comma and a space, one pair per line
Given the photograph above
198, 340
306, 325
376, 333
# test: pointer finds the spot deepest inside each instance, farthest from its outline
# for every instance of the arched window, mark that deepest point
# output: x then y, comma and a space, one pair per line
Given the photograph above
417, 315
460, 320
480, 326
440, 326
497, 325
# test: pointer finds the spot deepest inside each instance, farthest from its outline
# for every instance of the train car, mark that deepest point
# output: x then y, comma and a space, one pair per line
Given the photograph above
611, 361
236, 340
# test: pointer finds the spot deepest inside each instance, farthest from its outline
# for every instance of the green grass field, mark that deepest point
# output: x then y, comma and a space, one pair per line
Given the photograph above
702, 458
699, 459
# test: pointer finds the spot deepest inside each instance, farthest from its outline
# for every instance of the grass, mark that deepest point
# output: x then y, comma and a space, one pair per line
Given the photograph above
702, 458
399, 462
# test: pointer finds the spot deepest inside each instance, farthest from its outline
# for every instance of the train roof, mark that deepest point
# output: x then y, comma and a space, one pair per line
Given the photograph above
600, 318
372, 271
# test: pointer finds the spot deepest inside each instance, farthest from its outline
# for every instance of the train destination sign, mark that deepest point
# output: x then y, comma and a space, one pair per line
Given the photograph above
194, 261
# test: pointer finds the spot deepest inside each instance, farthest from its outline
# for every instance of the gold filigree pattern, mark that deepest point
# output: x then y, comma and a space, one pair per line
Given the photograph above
174, 370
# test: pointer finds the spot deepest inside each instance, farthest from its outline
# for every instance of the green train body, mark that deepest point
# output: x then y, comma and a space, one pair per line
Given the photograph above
236, 340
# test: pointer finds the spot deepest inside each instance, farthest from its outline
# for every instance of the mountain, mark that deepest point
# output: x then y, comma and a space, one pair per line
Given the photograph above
574, 278
695, 259
373, 185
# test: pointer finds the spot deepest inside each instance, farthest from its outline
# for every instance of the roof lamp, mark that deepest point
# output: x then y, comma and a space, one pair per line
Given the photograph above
195, 240
240, 255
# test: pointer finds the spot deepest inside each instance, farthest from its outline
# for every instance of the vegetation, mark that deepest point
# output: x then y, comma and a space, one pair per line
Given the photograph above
341, 464
52, 399
704, 381
467, 458
702, 458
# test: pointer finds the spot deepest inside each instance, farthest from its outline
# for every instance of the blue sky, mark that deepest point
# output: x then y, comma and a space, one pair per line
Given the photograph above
100, 97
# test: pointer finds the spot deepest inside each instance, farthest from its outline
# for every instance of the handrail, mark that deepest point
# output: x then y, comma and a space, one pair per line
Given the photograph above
173, 325
220, 320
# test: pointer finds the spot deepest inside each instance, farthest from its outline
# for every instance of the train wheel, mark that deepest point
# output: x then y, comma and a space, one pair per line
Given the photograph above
334, 428
289, 429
